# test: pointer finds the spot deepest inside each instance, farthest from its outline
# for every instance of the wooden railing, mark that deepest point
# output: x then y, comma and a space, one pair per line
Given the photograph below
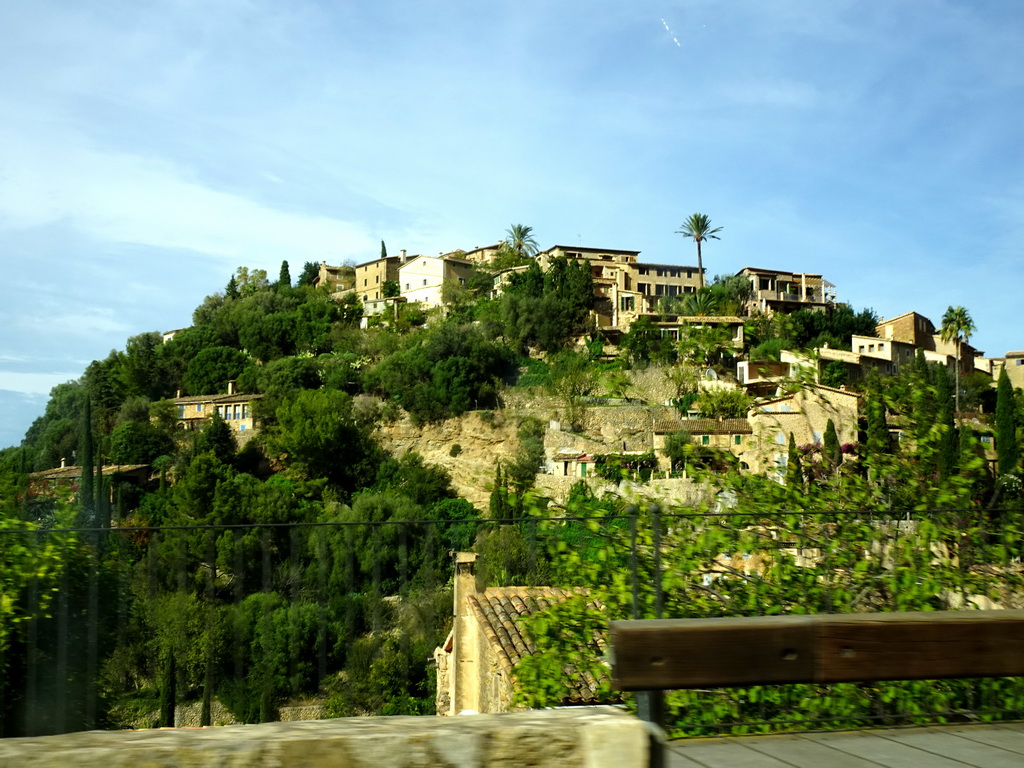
652, 656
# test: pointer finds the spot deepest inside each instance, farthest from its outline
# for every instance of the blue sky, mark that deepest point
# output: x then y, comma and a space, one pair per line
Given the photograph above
148, 148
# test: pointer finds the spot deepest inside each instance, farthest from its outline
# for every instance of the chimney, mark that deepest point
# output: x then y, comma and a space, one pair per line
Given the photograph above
465, 666
63, 462
178, 393
231, 387
403, 255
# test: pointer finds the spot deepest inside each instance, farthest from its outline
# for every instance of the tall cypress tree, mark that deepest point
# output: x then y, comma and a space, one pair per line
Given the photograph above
833, 450
383, 250
949, 445
1006, 426
86, 490
794, 470
284, 279
878, 430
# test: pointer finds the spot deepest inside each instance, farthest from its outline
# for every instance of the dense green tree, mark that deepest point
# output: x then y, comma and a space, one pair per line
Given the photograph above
284, 279
444, 372
643, 343
143, 367
573, 380
212, 368
310, 271
218, 438
410, 476
957, 327
1006, 426
139, 442
698, 228
317, 437
677, 447
723, 403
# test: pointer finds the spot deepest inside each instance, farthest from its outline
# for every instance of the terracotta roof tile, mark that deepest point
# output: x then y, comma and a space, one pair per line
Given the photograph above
500, 612
704, 426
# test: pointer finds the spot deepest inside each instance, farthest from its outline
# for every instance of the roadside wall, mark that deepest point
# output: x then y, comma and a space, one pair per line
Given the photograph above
584, 737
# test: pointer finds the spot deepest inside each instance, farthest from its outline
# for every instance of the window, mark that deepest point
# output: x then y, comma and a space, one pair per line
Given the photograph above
181, 411
689, 273
245, 410
424, 281
737, 439
817, 438
237, 410
199, 407
780, 439
376, 279
705, 439
986, 439
407, 286
626, 303
364, 282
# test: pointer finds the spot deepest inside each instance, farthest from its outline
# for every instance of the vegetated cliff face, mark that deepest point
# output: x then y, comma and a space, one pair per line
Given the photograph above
483, 438
480, 439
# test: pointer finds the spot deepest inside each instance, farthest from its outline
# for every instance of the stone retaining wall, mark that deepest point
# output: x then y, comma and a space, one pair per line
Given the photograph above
584, 737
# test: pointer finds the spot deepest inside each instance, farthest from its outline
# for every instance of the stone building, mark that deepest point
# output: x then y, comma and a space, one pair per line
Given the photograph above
234, 408
804, 414
774, 290
476, 663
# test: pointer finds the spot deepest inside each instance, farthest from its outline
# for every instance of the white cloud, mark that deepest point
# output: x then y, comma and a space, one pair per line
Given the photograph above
126, 198
33, 383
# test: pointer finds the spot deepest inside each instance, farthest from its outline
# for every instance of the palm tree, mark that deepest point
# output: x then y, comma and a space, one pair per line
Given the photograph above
519, 238
957, 326
698, 228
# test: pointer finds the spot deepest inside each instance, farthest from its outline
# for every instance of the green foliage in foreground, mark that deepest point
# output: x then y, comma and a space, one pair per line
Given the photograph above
879, 537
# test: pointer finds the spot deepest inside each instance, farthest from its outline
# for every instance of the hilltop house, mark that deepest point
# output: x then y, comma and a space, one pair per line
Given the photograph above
48, 481
625, 287
371, 276
776, 290
804, 414
422, 278
234, 408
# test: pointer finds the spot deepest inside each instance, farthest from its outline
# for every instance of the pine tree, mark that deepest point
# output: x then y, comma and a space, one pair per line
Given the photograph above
231, 291
794, 470
1006, 426
284, 279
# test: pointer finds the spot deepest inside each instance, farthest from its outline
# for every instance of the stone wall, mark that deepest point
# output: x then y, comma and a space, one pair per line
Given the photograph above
585, 737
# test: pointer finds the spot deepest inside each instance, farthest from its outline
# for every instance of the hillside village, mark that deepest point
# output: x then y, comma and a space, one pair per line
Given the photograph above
668, 344
326, 457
